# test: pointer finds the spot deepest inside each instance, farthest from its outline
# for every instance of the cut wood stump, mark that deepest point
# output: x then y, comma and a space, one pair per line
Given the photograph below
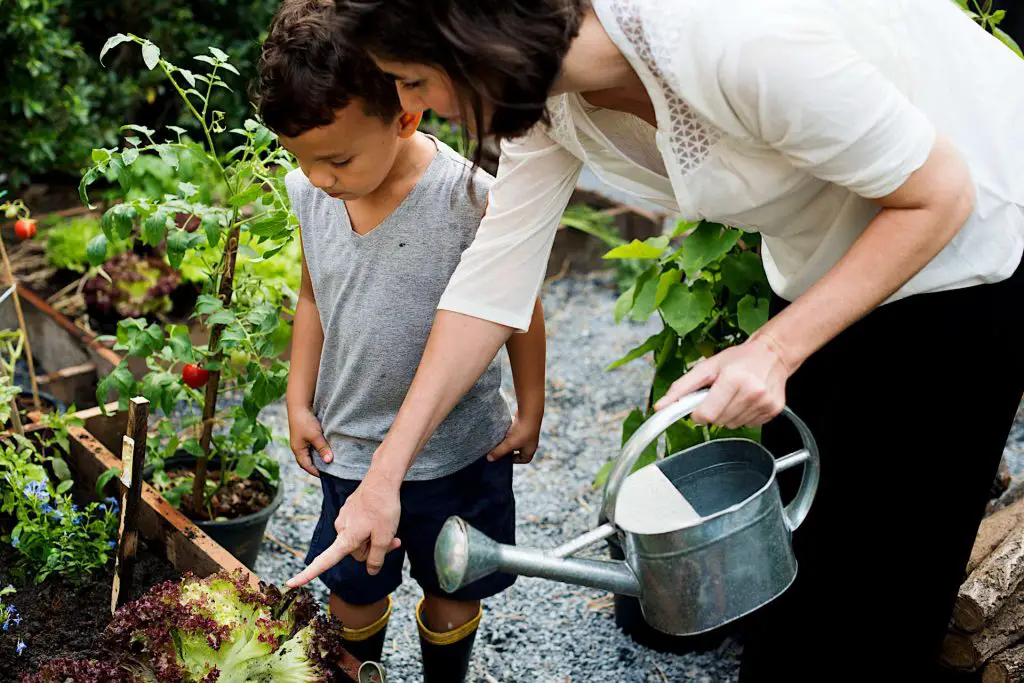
969, 651
992, 582
993, 530
1006, 667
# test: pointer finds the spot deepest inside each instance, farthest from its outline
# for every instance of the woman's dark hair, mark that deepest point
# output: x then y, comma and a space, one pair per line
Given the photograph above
307, 72
506, 53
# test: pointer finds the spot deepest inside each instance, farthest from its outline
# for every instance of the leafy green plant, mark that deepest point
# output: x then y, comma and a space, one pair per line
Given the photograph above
51, 533
989, 20
66, 243
12, 343
240, 316
219, 628
130, 285
710, 292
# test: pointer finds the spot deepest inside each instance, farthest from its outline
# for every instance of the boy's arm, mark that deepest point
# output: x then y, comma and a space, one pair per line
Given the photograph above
527, 354
307, 342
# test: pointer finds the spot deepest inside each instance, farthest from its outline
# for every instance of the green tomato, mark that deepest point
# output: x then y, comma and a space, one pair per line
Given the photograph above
239, 360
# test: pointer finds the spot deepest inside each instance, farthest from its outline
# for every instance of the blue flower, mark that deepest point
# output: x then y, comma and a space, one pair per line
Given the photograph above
16, 619
15, 541
21, 646
7, 624
114, 505
102, 507
57, 515
47, 509
37, 490
76, 520
112, 544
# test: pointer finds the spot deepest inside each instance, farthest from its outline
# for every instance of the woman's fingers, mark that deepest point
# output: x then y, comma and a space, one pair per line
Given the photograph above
702, 375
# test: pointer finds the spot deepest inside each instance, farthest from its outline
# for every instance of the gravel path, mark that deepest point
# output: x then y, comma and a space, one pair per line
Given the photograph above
538, 631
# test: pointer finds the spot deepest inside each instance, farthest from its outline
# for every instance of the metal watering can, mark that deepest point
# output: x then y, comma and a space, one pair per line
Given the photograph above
692, 573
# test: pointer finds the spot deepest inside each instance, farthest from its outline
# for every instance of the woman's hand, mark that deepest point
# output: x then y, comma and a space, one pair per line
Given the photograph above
366, 527
748, 385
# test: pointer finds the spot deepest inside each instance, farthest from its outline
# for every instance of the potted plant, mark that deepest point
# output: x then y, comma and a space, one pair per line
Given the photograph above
710, 292
214, 378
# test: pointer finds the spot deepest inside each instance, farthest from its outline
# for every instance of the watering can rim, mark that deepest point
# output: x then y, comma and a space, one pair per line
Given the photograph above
724, 512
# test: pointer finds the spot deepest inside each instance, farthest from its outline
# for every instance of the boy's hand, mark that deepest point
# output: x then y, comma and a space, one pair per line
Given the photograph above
521, 440
304, 430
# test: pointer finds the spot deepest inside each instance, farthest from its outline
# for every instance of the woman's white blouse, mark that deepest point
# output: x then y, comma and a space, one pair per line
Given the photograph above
785, 117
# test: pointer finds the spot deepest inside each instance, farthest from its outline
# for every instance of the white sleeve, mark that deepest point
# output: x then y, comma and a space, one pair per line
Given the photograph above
799, 86
502, 270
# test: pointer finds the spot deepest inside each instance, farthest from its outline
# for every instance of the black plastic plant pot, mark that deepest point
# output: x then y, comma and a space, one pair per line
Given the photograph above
47, 400
630, 619
243, 536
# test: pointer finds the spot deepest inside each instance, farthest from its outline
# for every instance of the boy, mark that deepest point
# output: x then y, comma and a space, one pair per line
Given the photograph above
385, 213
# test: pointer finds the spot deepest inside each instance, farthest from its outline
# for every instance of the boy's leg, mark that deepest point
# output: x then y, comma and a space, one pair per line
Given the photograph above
364, 627
480, 493
447, 633
361, 602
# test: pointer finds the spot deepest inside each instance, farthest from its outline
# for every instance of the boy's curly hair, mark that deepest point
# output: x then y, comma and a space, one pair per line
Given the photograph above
307, 72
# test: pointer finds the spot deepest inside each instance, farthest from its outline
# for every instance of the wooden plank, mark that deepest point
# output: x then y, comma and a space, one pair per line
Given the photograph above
73, 385
184, 544
133, 459
106, 428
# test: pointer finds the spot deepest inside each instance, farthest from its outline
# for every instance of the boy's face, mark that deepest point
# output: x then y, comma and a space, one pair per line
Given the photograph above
352, 156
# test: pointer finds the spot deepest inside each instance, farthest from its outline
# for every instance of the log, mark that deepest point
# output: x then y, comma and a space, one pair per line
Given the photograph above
988, 586
1006, 667
969, 651
992, 531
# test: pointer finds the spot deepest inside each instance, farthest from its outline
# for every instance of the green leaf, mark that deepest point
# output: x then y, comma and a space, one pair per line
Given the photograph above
96, 250
752, 433
120, 378
742, 271
650, 248
997, 17
154, 228
181, 344
168, 155
632, 423
211, 226
245, 466
148, 132
188, 76
230, 68
752, 313
1005, 38
150, 55
123, 218
221, 317
88, 179
206, 59
246, 196
187, 190
100, 156
684, 226
178, 242
219, 54
707, 244
251, 125
646, 294
682, 435
113, 42
105, 478
601, 478
192, 447
270, 225
665, 282
124, 176
207, 304
624, 304
186, 165
66, 484
685, 309
652, 344
129, 156
178, 129
61, 469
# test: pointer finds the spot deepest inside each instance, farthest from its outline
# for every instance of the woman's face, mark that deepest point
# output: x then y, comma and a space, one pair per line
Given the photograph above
422, 87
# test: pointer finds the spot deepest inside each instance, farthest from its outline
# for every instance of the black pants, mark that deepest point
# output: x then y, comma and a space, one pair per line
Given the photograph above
911, 408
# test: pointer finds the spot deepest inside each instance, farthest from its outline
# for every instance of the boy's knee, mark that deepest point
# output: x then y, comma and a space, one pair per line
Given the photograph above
357, 617
442, 614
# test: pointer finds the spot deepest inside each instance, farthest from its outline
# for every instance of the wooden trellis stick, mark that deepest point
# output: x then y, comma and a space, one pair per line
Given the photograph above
9, 272
133, 460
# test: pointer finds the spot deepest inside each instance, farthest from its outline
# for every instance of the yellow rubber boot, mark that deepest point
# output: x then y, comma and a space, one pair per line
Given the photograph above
367, 644
446, 655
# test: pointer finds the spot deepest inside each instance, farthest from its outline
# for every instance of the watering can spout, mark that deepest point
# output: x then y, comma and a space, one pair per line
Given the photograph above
463, 554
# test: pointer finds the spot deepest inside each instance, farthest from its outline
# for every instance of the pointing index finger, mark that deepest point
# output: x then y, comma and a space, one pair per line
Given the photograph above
334, 554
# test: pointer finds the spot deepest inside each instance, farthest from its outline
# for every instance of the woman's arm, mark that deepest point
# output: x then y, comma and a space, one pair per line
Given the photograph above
796, 85
492, 293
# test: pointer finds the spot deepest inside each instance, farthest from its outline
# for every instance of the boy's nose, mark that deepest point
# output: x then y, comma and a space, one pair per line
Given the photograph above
320, 179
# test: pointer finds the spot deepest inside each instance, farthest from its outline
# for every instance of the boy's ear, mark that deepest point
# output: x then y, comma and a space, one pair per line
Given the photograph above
408, 123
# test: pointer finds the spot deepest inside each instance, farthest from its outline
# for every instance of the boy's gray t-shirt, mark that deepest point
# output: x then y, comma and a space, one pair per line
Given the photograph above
377, 295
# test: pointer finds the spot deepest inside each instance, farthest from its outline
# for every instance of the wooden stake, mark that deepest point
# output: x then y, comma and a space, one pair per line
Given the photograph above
21, 323
133, 460
213, 383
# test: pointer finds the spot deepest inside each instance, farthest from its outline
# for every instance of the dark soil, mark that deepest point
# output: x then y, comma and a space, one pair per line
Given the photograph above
60, 619
239, 497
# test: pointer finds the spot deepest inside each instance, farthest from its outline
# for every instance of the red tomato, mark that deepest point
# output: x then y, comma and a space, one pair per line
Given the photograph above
194, 376
25, 228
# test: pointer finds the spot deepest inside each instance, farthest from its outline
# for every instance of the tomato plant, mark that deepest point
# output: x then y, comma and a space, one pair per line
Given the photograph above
242, 319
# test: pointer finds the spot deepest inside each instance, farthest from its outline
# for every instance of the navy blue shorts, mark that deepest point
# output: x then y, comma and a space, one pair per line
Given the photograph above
480, 493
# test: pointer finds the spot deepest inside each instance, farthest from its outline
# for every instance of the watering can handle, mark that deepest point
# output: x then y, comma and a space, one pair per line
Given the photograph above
650, 430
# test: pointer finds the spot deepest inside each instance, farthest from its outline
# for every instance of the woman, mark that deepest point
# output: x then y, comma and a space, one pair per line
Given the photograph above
876, 146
